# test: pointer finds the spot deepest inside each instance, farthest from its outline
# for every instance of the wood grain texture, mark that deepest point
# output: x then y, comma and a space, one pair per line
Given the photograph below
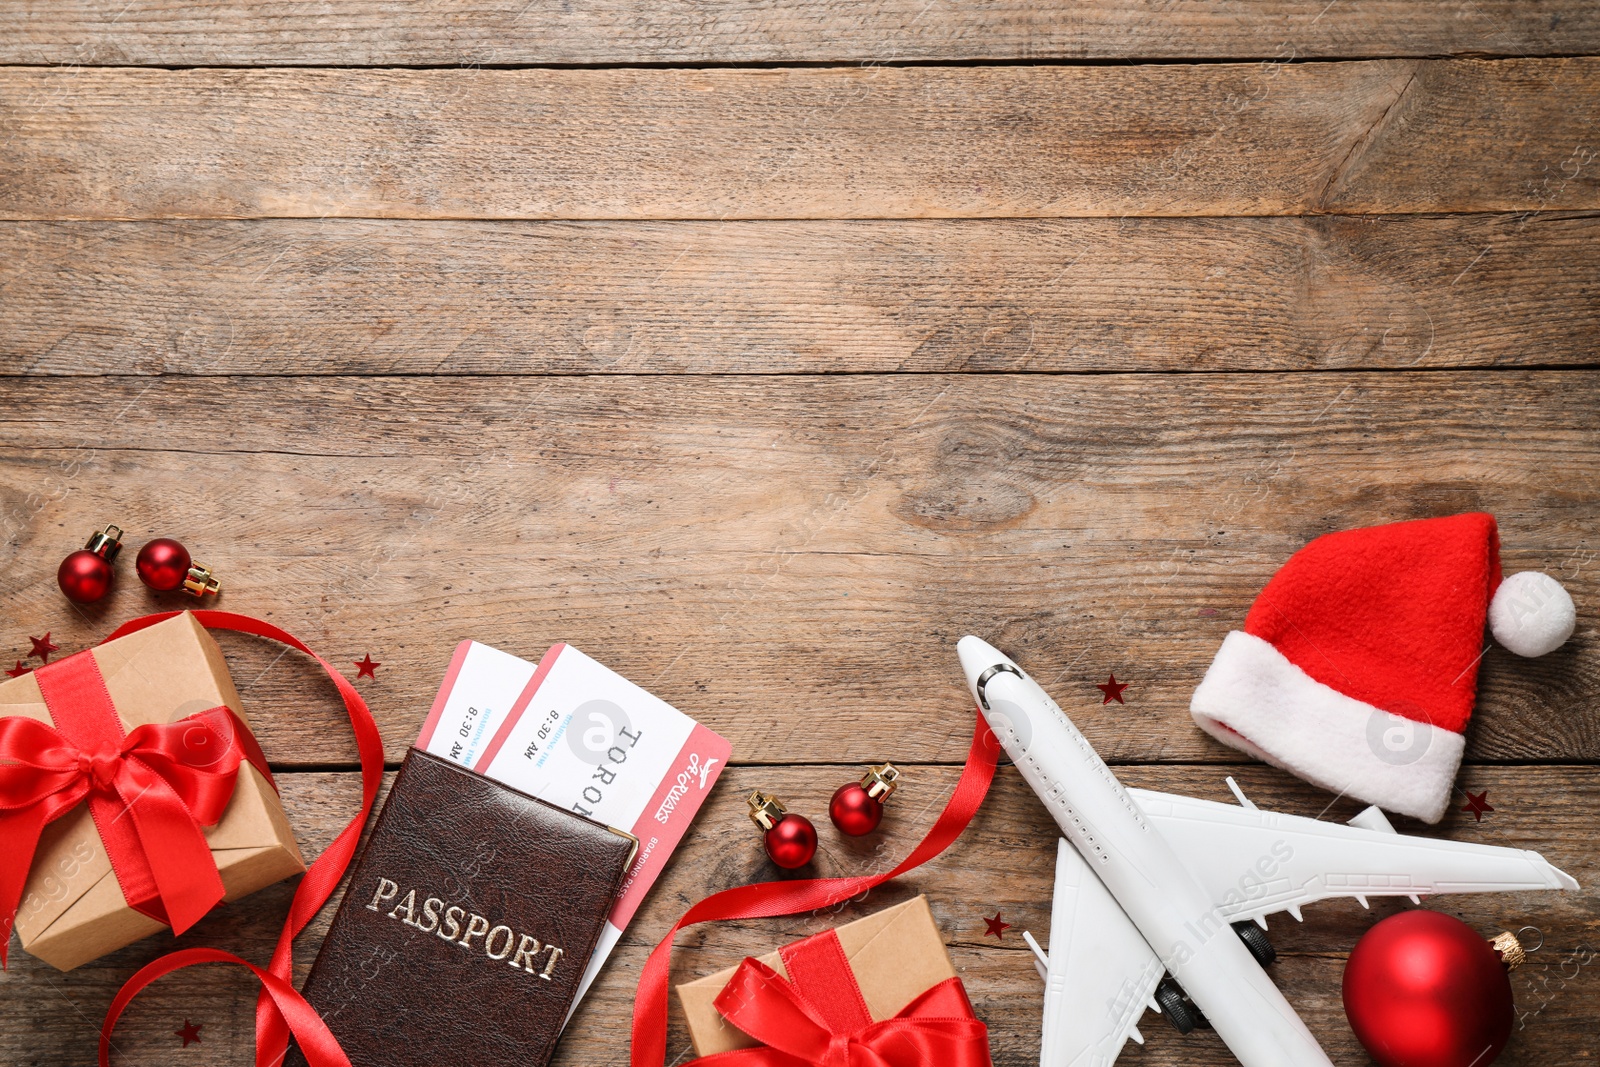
462, 32
398, 297
917, 142
595, 351
1004, 862
791, 558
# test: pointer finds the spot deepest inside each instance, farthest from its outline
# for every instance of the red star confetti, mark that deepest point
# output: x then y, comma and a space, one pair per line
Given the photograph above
367, 667
1478, 803
996, 927
42, 647
190, 1033
1113, 690
19, 670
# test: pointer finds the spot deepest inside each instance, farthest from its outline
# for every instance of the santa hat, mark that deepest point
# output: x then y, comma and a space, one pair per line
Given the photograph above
1358, 663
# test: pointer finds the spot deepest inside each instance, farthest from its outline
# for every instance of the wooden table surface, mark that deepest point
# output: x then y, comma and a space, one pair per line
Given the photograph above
763, 350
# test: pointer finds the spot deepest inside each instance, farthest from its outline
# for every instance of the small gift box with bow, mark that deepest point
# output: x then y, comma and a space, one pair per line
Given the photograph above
880, 990
129, 776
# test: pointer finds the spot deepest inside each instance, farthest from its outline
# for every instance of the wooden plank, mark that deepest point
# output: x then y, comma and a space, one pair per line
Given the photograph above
364, 297
1004, 862
463, 32
791, 559
913, 142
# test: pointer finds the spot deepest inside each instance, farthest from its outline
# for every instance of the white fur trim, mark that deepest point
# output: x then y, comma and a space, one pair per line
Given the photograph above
1255, 700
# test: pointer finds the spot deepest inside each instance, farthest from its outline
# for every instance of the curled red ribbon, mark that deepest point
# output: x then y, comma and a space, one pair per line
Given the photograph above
150, 792
818, 1018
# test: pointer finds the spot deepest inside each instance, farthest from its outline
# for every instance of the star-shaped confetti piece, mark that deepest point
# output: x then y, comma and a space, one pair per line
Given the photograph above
367, 667
996, 927
1478, 803
19, 670
190, 1033
42, 647
1113, 690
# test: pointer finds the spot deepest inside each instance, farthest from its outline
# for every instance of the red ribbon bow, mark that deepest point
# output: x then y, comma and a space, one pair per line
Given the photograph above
150, 792
811, 894
818, 1018
105, 764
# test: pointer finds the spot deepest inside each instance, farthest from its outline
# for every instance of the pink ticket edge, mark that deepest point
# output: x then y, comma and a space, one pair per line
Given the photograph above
658, 840
546, 662
431, 723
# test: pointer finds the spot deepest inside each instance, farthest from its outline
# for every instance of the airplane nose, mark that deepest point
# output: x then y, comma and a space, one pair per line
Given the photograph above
977, 656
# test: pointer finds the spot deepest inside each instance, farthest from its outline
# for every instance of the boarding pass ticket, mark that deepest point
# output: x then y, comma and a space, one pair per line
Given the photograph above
578, 735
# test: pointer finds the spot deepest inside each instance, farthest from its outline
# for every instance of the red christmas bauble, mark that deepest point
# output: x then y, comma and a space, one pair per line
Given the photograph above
1422, 989
791, 842
163, 564
855, 811
84, 576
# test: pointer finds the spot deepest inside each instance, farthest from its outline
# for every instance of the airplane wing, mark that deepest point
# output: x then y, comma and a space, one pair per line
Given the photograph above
1255, 863
1100, 973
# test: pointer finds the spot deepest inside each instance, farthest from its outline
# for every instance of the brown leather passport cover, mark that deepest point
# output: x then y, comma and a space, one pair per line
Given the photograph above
466, 926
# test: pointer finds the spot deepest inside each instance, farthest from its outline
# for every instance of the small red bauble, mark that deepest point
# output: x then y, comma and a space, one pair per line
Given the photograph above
85, 576
792, 843
1422, 989
790, 839
163, 564
854, 811
857, 808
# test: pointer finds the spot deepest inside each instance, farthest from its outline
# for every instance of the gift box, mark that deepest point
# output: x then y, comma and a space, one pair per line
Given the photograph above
896, 958
73, 908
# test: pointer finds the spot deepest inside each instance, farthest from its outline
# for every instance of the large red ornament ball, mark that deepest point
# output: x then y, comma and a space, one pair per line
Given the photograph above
855, 811
1422, 989
84, 576
791, 842
163, 564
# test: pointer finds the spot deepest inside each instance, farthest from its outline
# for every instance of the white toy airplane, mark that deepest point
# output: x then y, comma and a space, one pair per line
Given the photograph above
1155, 884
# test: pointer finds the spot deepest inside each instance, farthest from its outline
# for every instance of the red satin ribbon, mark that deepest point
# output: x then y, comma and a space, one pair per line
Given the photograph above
150, 792
767, 899
818, 1017
316, 1040
280, 1010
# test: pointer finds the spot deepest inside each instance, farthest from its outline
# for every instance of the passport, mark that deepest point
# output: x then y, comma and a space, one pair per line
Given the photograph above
467, 923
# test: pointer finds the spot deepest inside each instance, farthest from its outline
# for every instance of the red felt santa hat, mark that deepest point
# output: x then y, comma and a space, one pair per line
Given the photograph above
1358, 663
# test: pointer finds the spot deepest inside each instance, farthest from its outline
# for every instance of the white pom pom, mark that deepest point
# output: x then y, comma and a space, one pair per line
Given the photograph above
1531, 614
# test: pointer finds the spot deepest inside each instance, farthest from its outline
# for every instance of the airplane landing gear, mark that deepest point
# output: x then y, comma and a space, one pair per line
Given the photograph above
1255, 939
1183, 1015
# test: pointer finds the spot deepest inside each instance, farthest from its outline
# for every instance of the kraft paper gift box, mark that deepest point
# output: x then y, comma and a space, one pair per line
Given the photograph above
72, 909
896, 955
